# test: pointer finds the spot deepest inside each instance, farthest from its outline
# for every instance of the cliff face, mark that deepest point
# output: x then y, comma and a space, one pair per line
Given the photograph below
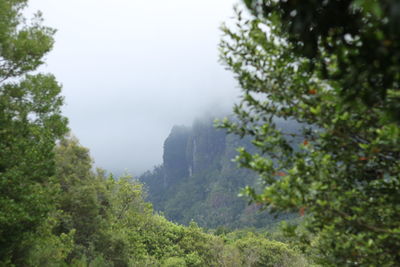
189, 151
206, 146
175, 160
199, 181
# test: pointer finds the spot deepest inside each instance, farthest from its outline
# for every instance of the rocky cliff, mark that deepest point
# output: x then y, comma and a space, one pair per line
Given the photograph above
198, 180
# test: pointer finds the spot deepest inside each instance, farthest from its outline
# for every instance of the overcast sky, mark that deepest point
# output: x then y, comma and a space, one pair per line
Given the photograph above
132, 69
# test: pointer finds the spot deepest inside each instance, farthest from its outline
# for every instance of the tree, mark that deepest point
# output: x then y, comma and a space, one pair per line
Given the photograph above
360, 38
82, 197
344, 174
31, 122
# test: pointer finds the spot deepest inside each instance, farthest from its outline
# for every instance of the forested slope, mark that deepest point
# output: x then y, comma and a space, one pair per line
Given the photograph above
199, 181
102, 221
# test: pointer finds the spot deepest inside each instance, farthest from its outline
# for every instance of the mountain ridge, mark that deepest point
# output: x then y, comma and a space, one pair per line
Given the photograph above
198, 180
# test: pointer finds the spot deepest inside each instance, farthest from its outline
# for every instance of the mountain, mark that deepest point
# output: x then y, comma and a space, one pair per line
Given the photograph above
198, 180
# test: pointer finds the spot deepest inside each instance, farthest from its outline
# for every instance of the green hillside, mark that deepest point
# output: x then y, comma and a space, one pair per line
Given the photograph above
101, 221
199, 181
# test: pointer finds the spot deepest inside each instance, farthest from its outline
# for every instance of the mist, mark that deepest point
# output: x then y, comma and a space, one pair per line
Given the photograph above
131, 70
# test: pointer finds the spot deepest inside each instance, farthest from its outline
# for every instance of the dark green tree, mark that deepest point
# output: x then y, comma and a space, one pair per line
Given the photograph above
344, 175
360, 38
30, 124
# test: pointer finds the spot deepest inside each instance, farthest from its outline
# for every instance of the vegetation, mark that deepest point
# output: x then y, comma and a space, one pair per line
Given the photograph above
101, 221
31, 122
198, 180
333, 74
353, 43
331, 66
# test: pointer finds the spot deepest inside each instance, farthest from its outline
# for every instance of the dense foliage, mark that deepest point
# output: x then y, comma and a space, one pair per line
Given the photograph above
31, 122
344, 175
355, 43
101, 221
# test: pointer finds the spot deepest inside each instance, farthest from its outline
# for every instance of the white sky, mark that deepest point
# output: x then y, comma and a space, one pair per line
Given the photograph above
132, 69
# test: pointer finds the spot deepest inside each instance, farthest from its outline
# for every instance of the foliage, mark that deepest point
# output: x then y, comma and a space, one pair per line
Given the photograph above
258, 251
48, 249
31, 122
355, 43
344, 173
123, 231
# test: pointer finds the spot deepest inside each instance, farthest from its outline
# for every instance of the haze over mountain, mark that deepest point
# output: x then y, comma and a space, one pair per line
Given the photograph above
146, 65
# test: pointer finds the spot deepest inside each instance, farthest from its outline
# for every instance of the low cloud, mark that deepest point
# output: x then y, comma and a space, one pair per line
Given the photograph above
132, 69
